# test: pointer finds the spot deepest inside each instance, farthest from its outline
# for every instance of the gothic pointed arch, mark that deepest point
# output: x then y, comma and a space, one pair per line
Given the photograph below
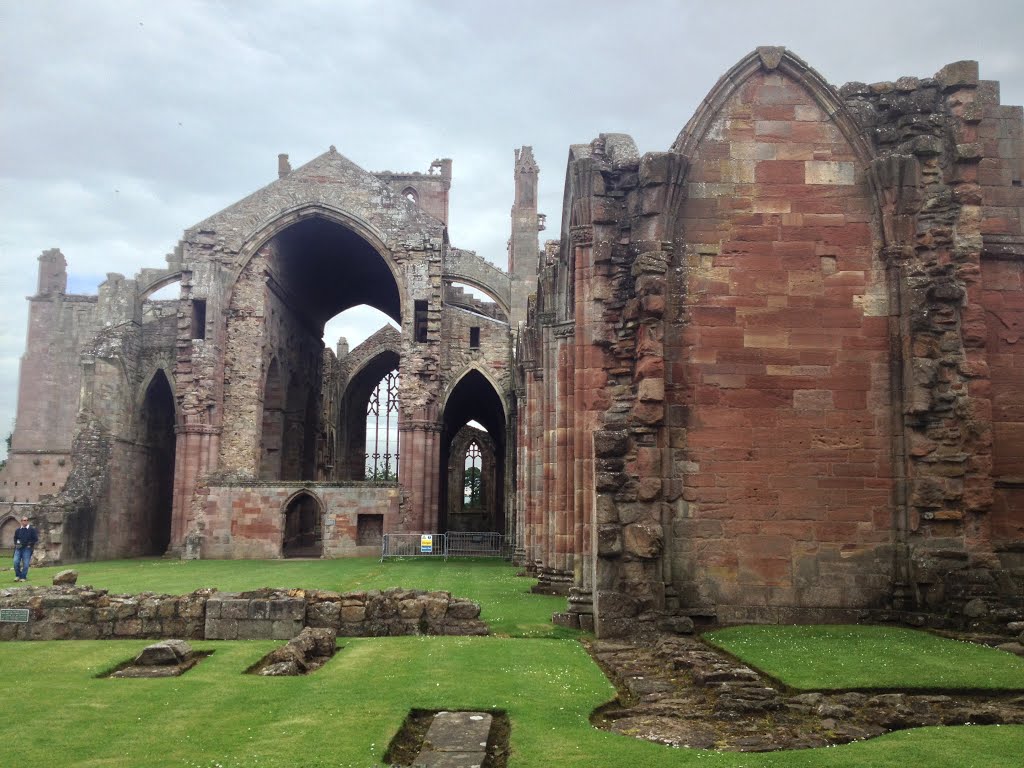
334, 232
789, 65
272, 431
472, 474
474, 396
369, 413
302, 525
154, 488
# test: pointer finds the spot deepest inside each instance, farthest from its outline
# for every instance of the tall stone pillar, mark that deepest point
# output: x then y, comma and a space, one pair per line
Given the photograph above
418, 472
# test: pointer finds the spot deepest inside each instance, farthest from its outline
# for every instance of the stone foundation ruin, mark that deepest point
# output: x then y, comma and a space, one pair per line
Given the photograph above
773, 373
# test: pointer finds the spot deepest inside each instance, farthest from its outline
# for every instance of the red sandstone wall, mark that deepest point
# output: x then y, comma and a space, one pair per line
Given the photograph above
247, 521
780, 364
30, 476
1003, 298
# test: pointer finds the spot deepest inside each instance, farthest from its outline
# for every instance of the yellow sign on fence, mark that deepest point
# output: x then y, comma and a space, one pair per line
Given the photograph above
427, 543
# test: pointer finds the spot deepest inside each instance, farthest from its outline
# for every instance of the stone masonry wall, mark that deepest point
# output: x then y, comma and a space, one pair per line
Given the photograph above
780, 362
1003, 282
248, 520
83, 613
492, 354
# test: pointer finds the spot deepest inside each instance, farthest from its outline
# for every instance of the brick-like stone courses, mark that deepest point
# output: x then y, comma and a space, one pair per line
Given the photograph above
1003, 282
83, 613
248, 520
779, 350
491, 356
948, 167
781, 356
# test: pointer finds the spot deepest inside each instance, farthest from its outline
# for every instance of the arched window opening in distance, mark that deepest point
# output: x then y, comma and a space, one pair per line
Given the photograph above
382, 430
410, 194
472, 476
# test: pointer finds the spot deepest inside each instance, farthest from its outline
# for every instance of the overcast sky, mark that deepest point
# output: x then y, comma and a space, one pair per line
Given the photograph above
124, 123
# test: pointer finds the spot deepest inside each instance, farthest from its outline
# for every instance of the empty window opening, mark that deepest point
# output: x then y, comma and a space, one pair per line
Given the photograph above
382, 430
420, 320
472, 476
474, 338
199, 318
410, 194
369, 530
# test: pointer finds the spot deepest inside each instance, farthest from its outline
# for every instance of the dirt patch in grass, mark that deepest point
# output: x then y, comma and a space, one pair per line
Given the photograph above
681, 692
407, 743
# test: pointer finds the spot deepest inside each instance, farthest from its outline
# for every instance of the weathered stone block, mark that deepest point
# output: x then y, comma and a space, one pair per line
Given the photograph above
643, 540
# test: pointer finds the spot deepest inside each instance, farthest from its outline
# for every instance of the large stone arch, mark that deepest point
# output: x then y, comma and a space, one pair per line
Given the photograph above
309, 267
286, 219
475, 396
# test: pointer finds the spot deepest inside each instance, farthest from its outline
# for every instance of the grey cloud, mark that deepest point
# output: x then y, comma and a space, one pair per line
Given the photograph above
126, 123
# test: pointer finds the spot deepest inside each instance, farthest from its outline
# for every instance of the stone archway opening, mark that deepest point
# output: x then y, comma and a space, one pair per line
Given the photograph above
272, 434
156, 486
303, 527
7, 529
475, 400
368, 422
472, 475
312, 271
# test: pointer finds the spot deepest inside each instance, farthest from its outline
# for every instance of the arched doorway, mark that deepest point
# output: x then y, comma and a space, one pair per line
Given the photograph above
303, 526
156, 486
473, 399
7, 528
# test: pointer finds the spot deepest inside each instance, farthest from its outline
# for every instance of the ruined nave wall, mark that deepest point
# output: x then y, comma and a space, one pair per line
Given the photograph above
779, 374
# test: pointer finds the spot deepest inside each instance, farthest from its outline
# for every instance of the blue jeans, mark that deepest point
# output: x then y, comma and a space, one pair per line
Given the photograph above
22, 558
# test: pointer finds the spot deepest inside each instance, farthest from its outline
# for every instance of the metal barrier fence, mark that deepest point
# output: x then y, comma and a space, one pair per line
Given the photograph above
452, 544
472, 544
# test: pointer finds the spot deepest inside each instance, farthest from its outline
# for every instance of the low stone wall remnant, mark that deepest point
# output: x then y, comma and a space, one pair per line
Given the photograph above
83, 613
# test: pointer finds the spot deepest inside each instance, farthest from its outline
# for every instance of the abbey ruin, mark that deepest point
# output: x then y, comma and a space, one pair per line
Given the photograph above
772, 373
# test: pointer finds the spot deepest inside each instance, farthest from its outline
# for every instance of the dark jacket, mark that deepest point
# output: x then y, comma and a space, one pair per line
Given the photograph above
26, 537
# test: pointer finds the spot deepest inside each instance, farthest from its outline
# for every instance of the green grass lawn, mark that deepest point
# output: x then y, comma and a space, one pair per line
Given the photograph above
346, 713
836, 657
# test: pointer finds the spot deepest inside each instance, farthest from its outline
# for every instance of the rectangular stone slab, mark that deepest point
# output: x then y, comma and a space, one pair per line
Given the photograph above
459, 732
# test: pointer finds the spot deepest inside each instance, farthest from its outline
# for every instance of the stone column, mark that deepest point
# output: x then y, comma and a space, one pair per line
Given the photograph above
418, 472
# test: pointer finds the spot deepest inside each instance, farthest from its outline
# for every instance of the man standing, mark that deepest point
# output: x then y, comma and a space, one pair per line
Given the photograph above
25, 538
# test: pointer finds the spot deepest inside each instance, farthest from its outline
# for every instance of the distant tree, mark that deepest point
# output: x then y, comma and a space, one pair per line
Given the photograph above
383, 473
8, 440
471, 492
